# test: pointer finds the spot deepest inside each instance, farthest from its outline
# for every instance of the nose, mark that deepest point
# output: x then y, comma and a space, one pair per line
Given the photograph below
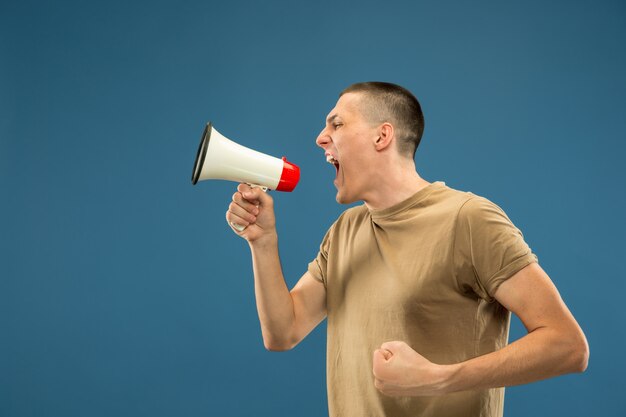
323, 138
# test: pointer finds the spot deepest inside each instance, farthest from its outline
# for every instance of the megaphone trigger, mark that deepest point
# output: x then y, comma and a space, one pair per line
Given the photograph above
264, 189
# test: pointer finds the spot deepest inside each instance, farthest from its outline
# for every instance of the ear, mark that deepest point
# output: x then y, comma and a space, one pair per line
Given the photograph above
386, 135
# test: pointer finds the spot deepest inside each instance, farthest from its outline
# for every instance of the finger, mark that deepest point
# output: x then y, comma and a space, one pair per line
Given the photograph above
250, 206
379, 356
241, 212
384, 354
377, 360
392, 346
380, 385
246, 188
256, 194
236, 222
379, 364
242, 187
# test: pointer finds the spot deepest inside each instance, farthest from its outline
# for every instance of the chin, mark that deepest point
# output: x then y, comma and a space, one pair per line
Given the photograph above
344, 199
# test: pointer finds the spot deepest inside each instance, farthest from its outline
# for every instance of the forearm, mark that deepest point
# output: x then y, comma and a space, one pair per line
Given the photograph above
541, 354
273, 299
555, 345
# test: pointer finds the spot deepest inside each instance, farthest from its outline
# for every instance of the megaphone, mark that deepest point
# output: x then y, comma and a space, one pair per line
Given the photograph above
220, 158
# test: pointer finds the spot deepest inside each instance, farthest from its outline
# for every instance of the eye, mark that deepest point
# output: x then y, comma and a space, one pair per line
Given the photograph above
337, 125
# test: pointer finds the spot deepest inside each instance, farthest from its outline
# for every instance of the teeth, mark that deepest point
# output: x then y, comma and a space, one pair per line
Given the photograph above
330, 159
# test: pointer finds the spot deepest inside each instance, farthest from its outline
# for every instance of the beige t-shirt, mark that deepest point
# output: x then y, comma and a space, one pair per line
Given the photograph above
424, 272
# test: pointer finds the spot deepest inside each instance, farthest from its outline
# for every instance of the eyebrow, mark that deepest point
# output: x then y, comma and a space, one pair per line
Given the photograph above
330, 119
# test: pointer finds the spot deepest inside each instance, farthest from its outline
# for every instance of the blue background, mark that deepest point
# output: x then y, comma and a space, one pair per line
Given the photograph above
124, 293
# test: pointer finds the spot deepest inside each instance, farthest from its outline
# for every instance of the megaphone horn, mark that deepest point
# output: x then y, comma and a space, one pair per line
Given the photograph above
221, 158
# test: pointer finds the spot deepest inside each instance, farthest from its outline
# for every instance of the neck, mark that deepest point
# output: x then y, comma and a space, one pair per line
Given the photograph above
399, 182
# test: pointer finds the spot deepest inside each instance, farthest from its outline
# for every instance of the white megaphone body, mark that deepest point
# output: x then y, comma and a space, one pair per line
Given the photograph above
220, 158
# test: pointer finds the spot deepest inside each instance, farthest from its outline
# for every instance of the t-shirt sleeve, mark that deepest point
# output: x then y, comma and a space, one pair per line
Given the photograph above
488, 248
318, 266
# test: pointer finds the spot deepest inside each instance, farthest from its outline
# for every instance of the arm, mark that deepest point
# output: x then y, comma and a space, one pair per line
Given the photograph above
554, 345
286, 316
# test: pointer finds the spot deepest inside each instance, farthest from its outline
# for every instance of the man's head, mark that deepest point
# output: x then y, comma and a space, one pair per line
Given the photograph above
372, 131
385, 102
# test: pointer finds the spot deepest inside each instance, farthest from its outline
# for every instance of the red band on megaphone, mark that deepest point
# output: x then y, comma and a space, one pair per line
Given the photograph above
289, 177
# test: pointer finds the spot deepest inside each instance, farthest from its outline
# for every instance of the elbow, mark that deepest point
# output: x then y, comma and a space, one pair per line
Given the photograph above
277, 348
582, 358
274, 345
579, 354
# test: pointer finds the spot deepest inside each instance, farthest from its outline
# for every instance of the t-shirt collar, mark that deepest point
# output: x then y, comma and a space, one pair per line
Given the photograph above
409, 202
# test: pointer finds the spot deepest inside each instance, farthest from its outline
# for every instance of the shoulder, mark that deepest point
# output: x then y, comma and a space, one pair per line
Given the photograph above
473, 209
458, 202
476, 207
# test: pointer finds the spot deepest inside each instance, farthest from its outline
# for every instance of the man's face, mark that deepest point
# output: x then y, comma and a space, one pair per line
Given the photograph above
347, 141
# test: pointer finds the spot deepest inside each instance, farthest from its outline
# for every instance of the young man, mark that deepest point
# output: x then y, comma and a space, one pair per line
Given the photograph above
417, 283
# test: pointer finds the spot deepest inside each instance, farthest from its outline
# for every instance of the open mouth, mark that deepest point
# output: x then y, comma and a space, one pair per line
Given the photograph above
331, 160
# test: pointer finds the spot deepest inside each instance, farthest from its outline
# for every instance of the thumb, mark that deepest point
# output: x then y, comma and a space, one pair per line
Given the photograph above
380, 363
382, 355
393, 347
386, 353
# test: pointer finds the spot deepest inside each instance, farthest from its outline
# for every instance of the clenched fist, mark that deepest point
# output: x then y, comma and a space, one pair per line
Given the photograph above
400, 371
251, 213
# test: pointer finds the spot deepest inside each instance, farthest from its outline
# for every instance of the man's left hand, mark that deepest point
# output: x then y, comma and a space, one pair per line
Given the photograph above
399, 371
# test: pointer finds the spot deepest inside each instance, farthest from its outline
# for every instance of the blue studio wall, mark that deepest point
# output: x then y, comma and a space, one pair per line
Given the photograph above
122, 290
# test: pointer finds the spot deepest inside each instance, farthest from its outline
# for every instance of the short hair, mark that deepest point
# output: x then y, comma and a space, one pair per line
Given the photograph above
387, 102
